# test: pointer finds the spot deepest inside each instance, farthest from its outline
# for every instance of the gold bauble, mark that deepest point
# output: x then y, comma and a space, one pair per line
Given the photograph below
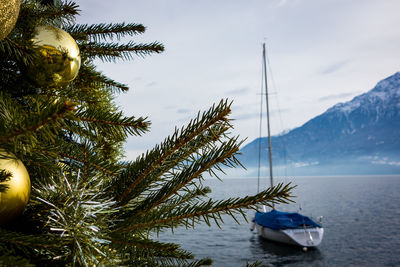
14, 200
9, 11
60, 59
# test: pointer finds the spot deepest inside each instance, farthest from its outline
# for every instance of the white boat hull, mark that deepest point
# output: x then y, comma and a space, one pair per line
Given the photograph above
304, 237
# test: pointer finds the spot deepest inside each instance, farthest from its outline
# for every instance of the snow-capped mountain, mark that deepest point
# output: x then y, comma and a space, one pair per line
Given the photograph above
361, 136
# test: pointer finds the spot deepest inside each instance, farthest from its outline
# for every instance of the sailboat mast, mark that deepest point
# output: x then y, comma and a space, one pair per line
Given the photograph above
269, 128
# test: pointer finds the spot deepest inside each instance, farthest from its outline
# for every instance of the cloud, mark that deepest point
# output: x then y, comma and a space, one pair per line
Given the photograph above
183, 111
305, 164
334, 67
337, 96
385, 161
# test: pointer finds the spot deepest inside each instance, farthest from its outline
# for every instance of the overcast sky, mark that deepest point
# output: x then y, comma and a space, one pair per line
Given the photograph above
321, 52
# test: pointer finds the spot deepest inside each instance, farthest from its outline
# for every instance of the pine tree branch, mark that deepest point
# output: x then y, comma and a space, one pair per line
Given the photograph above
194, 170
109, 52
74, 152
88, 74
187, 198
11, 260
195, 128
143, 251
202, 262
102, 31
10, 49
275, 194
199, 143
98, 167
114, 124
32, 10
145, 243
156, 257
55, 116
66, 10
29, 241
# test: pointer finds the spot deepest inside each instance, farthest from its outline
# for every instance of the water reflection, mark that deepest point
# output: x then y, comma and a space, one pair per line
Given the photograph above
277, 254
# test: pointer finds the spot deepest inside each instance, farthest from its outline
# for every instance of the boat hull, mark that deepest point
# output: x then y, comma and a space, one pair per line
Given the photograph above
304, 237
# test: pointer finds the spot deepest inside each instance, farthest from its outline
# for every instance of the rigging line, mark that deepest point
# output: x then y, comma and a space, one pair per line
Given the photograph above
280, 115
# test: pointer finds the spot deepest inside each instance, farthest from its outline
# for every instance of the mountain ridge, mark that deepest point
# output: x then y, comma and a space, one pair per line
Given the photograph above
360, 136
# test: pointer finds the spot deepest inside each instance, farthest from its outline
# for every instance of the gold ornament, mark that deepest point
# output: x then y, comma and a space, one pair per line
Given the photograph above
60, 58
9, 11
14, 200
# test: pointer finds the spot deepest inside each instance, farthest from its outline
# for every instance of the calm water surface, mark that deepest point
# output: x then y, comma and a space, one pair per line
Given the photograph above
361, 221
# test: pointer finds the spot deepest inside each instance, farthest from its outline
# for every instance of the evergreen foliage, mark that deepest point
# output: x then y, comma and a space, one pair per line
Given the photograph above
87, 206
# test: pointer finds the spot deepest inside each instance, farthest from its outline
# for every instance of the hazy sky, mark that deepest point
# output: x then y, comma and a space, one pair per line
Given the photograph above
321, 52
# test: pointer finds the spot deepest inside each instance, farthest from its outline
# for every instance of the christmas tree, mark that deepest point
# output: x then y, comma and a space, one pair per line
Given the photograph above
67, 197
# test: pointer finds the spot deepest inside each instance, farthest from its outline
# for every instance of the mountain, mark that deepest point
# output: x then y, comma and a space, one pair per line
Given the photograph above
361, 136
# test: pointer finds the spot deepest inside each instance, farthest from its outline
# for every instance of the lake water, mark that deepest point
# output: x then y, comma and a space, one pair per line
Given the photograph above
361, 222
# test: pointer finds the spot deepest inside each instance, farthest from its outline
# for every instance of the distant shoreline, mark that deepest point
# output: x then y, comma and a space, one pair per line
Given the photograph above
225, 177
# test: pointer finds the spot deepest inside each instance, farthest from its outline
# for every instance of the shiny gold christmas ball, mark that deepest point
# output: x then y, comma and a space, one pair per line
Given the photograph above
9, 11
14, 200
60, 58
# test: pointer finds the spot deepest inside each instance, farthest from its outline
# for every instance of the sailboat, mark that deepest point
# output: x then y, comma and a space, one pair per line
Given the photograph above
284, 227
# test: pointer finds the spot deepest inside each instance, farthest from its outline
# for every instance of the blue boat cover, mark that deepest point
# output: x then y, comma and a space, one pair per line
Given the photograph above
278, 220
